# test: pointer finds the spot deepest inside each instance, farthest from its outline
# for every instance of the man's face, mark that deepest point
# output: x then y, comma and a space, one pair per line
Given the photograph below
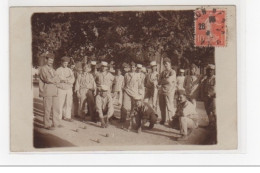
193, 70
138, 103
85, 69
49, 62
210, 72
118, 72
182, 98
133, 68
72, 67
167, 65
182, 74
154, 68
93, 68
65, 64
138, 70
80, 71
103, 93
103, 68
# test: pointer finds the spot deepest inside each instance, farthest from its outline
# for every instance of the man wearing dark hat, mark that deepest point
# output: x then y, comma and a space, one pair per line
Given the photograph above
186, 115
167, 84
132, 88
49, 91
143, 113
209, 85
65, 89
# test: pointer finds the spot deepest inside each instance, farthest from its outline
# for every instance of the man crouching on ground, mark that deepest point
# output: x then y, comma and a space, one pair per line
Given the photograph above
143, 113
186, 114
104, 105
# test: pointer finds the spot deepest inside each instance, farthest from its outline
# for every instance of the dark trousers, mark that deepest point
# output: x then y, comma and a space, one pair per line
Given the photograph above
140, 121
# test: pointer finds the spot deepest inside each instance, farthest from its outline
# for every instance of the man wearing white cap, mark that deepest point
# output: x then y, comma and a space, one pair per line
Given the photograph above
139, 70
186, 117
151, 82
65, 89
85, 88
104, 77
180, 80
167, 83
143, 113
104, 105
209, 85
93, 67
132, 88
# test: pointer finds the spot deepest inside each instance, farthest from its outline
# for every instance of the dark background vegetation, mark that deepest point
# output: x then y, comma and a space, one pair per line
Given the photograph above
139, 36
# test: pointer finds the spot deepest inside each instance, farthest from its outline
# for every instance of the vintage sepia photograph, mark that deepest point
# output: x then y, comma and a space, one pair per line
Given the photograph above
132, 78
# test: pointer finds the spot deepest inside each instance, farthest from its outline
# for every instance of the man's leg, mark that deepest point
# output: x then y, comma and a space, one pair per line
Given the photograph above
47, 104
120, 97
55, 109
61, 97
91, 105
146, 96
68, 103
162, 105
207, 105
82, 101
126, 107
154, 98
185, 124
138, 123
169, 104
153, 120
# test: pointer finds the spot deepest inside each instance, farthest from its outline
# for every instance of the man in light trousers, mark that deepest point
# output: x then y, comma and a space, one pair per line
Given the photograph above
65, 89
49, 91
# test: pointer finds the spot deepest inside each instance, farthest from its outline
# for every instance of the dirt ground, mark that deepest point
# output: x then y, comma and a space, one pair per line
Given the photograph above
87, 133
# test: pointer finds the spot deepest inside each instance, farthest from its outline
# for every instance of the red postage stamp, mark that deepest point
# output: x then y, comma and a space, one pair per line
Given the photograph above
210, 27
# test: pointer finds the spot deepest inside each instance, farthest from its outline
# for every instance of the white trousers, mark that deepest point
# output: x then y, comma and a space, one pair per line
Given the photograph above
65, 101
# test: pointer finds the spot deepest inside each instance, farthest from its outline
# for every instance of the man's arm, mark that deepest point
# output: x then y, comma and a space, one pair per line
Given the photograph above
71, 78
46, 77
77, 86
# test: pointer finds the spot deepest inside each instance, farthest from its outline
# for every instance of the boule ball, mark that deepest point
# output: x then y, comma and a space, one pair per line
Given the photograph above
76, 130
98, 140
84, 127
107, 135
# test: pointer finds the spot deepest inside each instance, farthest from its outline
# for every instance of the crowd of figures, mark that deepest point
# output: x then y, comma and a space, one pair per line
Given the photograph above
87, 91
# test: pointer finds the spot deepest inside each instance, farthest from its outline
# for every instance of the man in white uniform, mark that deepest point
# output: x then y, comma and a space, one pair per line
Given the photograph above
65, 89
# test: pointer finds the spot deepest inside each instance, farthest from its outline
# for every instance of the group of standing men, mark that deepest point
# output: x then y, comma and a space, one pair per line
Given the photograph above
94, 92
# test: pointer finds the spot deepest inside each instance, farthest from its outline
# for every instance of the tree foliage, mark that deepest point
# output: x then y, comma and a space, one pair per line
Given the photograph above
139, 36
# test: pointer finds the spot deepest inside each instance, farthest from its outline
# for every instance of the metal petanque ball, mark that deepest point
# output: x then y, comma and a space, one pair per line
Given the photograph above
107, 135
98, 141
84, 127
76, 130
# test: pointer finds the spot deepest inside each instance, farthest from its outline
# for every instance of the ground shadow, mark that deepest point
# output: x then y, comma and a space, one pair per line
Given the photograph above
42, 140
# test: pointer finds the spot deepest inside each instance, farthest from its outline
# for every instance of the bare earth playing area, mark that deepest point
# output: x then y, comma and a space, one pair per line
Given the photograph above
87, 133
